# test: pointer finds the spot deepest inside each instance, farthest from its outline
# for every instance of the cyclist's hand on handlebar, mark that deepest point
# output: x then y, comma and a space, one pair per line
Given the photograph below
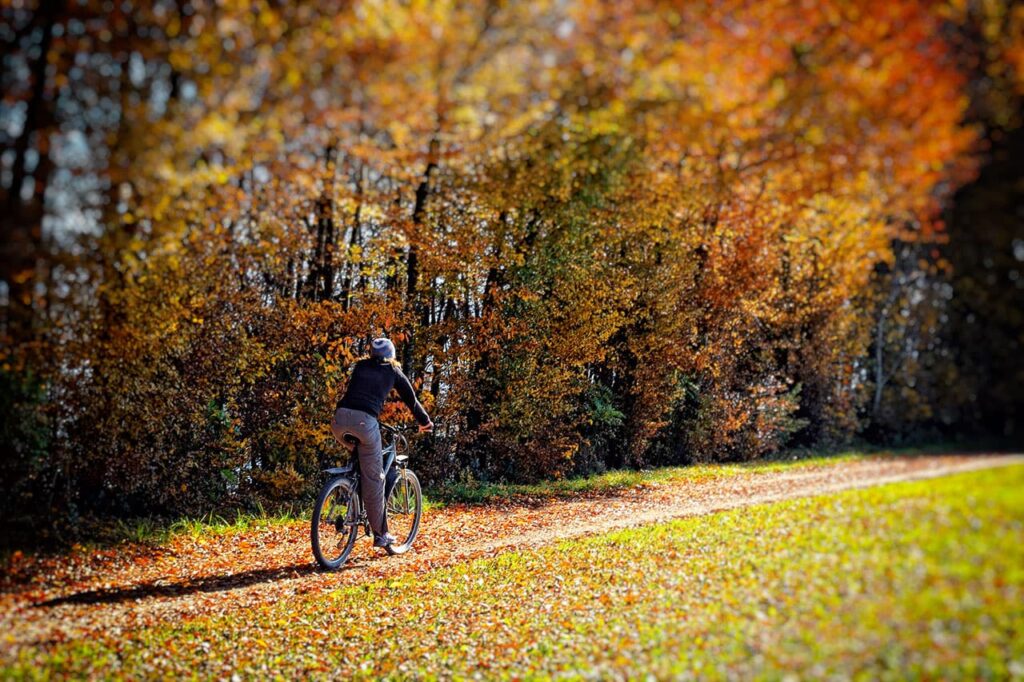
429, 426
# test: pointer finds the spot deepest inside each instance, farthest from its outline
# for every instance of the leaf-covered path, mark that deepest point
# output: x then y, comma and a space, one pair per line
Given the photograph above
112, 591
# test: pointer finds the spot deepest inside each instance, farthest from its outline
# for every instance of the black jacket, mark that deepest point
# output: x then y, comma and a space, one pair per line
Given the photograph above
370, 384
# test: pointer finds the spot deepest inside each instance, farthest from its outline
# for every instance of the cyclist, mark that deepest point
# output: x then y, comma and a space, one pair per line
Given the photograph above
368, 387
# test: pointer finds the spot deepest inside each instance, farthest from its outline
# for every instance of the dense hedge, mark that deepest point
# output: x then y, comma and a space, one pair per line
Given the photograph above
601, 236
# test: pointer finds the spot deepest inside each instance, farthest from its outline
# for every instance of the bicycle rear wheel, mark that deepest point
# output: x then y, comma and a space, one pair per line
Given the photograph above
404, 508
334, 525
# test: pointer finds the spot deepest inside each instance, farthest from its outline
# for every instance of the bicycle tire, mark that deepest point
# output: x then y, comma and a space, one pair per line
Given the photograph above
351, 514
407, 482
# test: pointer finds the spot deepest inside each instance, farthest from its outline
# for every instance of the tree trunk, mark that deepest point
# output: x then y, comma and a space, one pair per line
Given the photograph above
320, 279
412, 270
879, 368
21, 229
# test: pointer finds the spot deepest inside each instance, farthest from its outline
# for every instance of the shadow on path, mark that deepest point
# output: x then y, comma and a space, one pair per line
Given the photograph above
157, 588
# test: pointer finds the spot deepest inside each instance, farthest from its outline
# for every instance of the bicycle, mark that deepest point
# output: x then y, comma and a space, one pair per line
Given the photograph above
339, 514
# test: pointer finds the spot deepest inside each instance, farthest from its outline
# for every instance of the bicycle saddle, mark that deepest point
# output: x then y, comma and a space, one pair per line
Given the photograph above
350, 440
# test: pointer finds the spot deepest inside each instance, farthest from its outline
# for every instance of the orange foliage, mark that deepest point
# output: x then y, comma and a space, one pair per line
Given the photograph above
602, 233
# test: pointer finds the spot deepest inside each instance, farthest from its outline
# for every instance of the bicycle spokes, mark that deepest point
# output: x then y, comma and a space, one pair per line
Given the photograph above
404, 506
332, 530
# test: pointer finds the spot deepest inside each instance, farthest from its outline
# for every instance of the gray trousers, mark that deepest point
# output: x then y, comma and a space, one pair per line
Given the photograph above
371, 461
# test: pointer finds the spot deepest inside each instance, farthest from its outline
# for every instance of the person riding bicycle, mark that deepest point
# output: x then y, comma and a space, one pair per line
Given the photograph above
357, 413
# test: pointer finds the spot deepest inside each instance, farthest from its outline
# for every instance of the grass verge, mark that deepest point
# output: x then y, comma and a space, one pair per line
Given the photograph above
160, 530
922, 579
476, 492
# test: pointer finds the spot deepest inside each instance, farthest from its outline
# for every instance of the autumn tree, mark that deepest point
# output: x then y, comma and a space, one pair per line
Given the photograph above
602, 234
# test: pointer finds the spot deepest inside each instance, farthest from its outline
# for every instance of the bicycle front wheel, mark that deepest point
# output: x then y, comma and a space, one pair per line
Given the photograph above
404, 508
335, 523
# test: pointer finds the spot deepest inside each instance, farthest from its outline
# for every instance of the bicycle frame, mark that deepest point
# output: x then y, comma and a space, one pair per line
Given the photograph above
390, 453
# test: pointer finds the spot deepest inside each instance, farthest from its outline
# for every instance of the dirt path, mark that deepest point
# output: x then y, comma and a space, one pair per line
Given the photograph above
111, 592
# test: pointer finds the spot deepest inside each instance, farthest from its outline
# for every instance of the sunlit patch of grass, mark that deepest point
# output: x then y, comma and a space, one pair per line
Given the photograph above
476, 492
918, 580
160, 531
241, 521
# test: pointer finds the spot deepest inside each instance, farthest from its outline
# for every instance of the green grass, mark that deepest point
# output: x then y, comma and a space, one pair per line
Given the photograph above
915, 580
475, 492
160, 531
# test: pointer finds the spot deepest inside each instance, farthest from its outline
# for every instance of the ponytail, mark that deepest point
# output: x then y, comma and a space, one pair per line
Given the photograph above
384, 361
